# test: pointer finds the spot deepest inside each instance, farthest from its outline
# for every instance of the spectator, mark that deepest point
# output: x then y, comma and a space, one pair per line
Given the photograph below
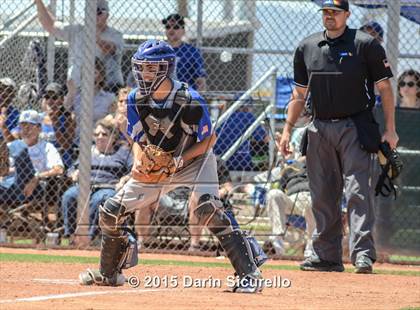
232, 130
111, 163
102, 102
109, 45
374, 29
32, 159
292, 194
409, 89
59, 124
9, 115
189, 62
16, 172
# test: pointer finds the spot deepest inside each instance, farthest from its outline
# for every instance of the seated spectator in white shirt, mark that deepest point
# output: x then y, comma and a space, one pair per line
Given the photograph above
44, 159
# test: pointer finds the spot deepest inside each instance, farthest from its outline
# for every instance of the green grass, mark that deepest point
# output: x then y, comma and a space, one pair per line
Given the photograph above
406, 259
42, 258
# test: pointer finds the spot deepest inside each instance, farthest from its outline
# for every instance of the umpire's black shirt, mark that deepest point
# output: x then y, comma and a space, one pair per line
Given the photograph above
340, 72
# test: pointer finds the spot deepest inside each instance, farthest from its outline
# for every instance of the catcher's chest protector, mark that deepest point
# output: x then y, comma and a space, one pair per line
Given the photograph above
162, 126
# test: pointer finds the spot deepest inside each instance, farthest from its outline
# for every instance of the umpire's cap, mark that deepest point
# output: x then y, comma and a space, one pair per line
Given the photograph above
336, 5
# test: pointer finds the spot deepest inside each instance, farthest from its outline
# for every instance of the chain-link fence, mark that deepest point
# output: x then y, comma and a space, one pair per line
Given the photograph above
240, 58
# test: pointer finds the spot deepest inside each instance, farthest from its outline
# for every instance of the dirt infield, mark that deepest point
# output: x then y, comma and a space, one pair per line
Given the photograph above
28, 285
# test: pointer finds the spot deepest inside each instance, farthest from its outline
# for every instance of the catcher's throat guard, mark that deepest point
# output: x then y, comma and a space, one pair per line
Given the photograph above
391, 167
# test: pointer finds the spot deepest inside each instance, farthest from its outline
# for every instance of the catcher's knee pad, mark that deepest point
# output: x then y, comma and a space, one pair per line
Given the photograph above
119, 244
210, 213
112, 217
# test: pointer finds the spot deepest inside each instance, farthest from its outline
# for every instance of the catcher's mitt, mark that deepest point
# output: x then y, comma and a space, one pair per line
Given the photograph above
155, 164
391, 166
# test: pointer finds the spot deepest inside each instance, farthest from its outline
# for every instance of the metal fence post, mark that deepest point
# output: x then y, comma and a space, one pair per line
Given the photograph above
51, 47
87, 72
392, 42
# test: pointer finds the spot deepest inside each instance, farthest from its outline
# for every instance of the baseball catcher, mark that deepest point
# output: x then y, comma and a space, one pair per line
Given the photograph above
172, 144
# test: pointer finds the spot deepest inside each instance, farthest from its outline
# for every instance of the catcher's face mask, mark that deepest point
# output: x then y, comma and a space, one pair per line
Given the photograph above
149, 74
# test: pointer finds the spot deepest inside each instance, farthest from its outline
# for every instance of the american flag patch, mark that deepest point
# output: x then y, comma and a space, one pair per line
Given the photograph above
205, 130
386, 63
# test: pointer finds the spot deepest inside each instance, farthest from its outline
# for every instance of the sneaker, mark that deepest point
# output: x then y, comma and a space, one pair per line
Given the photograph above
250, 284
91, 277
363, 265
312, 264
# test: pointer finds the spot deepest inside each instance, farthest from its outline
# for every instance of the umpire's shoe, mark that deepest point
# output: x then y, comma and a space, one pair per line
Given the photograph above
316, 264
250, 284
363, 265
91, 277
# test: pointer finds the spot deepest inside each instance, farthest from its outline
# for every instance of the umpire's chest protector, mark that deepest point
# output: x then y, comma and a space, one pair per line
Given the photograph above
162, 124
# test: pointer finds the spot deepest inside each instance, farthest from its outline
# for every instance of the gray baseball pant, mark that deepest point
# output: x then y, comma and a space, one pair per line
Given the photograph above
334, 160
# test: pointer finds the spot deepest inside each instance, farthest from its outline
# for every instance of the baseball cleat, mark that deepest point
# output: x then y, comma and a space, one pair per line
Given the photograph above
363, 265
250, 284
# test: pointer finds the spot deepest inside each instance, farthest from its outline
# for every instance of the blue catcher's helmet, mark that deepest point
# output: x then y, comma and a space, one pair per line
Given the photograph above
149, 53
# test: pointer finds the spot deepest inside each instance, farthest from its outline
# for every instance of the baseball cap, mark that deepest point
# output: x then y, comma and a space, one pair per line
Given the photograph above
375, 26
54, 88
178, 19
30, 116
8, 82
337, 5
102, 5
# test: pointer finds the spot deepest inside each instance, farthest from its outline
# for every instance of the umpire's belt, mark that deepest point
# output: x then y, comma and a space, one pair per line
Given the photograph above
332, 120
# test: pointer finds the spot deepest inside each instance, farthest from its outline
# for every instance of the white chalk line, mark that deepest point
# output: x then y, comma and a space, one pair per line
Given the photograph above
79, 294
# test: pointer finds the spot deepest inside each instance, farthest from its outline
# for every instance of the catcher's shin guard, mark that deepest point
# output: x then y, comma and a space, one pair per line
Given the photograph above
209, 212
118, 248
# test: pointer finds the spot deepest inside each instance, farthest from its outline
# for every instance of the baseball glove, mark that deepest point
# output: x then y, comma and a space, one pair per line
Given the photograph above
155, 164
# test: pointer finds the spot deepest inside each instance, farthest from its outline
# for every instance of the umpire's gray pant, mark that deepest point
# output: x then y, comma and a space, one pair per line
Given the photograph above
334, 160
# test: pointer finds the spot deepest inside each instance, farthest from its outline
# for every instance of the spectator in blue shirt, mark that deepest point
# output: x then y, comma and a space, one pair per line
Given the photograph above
231, 131
189, 62
9, 115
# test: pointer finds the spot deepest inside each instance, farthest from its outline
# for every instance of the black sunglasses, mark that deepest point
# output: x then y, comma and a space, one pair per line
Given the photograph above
409, 84
53, 97
176, 27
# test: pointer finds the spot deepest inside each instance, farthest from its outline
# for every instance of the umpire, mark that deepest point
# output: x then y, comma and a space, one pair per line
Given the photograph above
339, 68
